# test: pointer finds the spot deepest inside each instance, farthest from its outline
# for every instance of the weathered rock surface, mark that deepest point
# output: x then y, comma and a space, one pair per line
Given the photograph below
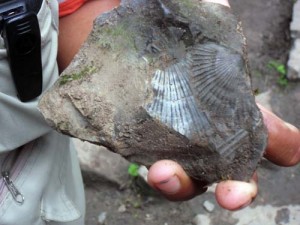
163, 79
96, 161
294, 57
294, 61
295, 24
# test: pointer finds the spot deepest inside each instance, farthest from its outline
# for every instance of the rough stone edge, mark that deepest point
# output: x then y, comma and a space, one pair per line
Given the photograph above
293, 65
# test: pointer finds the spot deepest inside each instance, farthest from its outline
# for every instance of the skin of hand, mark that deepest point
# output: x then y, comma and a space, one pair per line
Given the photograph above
75, 28
283, 149
167, 176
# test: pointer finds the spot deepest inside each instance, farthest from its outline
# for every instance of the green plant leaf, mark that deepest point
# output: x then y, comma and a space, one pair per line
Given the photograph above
282, 81
279, 67
281, 70
133, 170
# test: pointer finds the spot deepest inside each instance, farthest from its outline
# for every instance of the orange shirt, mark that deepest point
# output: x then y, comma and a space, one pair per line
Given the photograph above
67, 7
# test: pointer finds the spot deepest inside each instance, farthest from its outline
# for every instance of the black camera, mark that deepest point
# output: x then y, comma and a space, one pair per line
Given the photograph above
21, 34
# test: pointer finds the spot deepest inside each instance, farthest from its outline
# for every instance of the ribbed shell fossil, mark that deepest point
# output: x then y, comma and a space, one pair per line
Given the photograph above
160, 79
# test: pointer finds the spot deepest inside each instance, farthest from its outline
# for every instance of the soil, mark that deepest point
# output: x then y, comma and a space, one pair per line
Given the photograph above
266, 26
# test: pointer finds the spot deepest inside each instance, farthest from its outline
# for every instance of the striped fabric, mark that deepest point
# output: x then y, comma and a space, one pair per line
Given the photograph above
67, 7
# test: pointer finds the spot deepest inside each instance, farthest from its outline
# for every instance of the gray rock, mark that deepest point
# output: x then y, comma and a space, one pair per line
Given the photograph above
295, 24
149, 217
285, 215
160, 79
294, 56
143, 172
265, 99
208, 206
201, 220
103, 163
102, 218
294, 61
122, 208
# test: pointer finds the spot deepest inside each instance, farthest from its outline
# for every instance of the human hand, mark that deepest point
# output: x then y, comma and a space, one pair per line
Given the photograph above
283, 149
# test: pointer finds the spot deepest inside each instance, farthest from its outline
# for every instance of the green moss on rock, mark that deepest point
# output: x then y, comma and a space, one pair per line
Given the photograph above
88, 70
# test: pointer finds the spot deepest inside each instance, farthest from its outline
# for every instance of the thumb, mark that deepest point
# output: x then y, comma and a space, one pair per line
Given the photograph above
169, 178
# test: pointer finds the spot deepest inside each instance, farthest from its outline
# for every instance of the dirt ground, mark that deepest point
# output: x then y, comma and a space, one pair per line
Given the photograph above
266, 26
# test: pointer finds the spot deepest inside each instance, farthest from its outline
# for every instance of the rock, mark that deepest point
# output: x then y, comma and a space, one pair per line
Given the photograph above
294, 57
143, 172
268, 215
122, 208
294, 61
149, 217
102, 218
160, 79
265, 99
102, 163
202, 220
283, 216
208, 206
295, 24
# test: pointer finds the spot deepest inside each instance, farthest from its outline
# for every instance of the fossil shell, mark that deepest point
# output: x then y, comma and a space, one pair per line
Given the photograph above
160, 79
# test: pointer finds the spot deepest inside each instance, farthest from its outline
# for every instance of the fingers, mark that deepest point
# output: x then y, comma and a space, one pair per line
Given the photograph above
169, 178
222, 2
283, 141
234, 195
283, 149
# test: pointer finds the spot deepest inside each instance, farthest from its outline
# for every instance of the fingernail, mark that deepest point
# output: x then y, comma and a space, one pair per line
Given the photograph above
169, 186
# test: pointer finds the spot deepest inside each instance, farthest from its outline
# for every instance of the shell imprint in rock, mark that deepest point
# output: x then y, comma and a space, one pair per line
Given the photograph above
160, 79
